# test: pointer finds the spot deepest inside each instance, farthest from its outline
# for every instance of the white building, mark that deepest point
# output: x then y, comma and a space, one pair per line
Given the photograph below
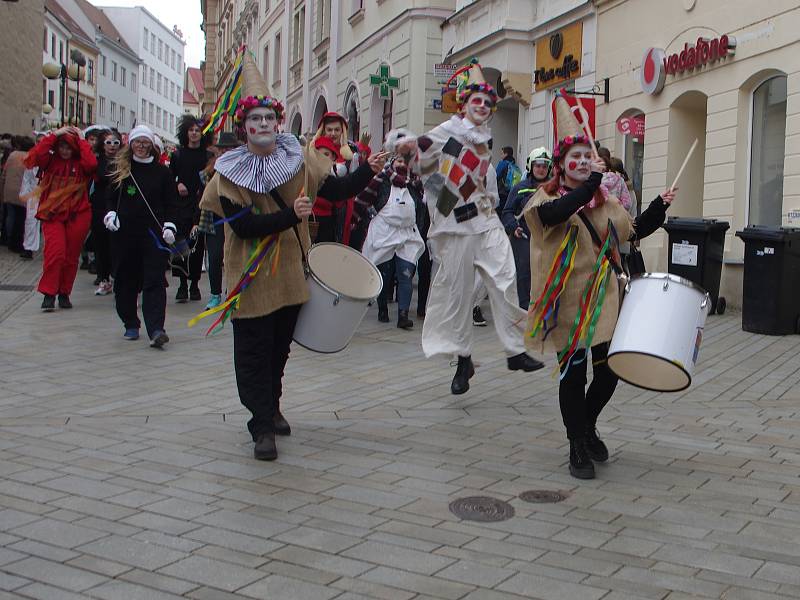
160, 89
529, 49
117, 71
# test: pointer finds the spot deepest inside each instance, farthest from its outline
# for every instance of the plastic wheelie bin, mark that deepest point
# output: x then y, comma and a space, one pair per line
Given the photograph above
771, 295
695, 253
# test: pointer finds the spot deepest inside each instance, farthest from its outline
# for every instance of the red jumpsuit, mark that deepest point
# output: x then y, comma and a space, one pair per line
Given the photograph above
64, 208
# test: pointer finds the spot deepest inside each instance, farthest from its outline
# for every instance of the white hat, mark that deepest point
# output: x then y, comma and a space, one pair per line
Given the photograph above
158, 143
141, 131
96, 129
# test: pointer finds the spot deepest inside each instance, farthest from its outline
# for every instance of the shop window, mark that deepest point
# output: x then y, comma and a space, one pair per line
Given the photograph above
387, 117
351, 114
767, 152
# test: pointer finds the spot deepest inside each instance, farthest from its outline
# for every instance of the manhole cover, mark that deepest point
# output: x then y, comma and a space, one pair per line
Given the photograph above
543, 496
15, 288
481, 508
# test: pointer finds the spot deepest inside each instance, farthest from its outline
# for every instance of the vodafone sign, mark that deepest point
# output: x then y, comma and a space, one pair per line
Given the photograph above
656, 64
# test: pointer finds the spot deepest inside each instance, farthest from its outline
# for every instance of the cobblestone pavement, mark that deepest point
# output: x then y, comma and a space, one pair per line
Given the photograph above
127, 473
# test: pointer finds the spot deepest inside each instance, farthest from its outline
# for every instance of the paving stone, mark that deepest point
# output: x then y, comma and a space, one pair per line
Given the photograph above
278, 587
157, 581
397, 557
235, 541
548, 588
58, 533
317, 539
370, 496
45, 571
132, 552
214, 573
114, 590
41, 591
475, 574
10, 582
46, 551
321, 561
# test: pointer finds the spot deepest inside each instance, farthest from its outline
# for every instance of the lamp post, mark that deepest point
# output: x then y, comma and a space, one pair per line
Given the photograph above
75, 72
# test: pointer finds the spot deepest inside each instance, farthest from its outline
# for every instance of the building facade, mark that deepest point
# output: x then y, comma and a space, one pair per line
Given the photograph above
193, 91
159, 102
117, 68
528, 51
723, 74
353, 57
21, 37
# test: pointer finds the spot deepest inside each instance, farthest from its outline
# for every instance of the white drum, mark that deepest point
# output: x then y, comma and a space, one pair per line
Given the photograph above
343, 284
659, 331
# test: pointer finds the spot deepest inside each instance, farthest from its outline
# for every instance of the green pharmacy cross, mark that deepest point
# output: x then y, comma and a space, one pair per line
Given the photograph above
385, 82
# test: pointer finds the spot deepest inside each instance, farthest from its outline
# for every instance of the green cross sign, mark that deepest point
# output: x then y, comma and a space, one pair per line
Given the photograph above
385, 82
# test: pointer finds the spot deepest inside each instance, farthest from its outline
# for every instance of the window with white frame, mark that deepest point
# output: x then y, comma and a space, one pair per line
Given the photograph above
152, 112
101, 107
152, 78
158, 116
113, 70
133, 82
298, 35
113, 111
276, 64
133, 119
322, 24
153, 44
146, 37
144, 110
123, 77
265, 64
121, 116
158, 86
103, 66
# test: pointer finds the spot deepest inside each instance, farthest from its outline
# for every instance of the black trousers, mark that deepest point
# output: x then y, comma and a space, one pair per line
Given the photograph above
327, 230
215, 244
15, 226
139, 267
424, 280
260, 351
101, 244
190, 268
522, 260
580, 408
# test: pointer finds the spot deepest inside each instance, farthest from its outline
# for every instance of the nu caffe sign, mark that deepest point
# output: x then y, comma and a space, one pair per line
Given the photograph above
558, 57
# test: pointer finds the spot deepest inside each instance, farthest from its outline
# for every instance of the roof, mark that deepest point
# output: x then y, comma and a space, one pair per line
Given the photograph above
103, 24
188, 98
53, 7
196, 75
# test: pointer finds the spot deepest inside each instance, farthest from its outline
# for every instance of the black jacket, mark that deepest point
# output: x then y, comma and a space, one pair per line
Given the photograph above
158, 187
185, 165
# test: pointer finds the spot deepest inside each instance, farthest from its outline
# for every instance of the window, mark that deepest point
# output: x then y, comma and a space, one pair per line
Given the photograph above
160, 50
158, 116
166, 54
89, 115
276, 67
158, 87
133, 119
113, 111
356, 6
144, 110
172, 59
121, 116
179, 96
123, 77
80, 111
265, 64
133, 82
44, 91
51, 98
151, 110
322, 16
103, 66
387, 117
153, 44
61, 52
146, 37
44, 47
172, 122
179, 68
152, 78
71, 107
298, 28
113, 71
102, 106
164, 120
90, 71
767, 152
172, 92
53, 45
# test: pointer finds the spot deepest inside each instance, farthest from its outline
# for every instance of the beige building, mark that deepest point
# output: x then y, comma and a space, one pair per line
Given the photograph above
21, 98
720, 72
349, 56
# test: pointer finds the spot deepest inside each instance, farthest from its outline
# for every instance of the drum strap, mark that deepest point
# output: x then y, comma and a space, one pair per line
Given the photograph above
598, 242
279, 201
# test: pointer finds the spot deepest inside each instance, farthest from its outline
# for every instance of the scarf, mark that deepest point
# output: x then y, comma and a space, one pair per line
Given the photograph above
398, 177
262, 174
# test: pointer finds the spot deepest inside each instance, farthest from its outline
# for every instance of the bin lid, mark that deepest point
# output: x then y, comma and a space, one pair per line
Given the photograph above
769, 233
678, 224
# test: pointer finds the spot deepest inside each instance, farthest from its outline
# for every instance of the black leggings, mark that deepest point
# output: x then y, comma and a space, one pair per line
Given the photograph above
580, 408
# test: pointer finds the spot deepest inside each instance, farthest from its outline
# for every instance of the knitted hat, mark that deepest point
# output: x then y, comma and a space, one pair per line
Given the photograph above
227, 140
141, 131
569, 131
328, 144
470, 80
255, 92
344, 148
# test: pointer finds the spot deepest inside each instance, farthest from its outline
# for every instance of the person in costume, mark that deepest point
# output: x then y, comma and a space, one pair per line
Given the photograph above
110, 143
66, 165
394, 242
140, 203
468, 238
574, 280
186, 164
538, 166
263, 191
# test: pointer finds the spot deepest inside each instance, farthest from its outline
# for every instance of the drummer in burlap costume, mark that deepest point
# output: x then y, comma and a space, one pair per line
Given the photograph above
575, 292
274, 176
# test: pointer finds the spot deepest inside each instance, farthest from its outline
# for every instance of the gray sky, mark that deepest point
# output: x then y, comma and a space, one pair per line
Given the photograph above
186, 14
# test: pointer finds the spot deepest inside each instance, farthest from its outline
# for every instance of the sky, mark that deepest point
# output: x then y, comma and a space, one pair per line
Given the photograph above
186, 14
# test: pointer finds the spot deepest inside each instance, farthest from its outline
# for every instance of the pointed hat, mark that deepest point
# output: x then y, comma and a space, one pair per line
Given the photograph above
470, 79
253, 83
254, 91
569, 130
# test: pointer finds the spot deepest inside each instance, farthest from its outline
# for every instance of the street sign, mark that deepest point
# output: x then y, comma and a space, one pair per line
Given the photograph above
443, 72
437, 104
384, 82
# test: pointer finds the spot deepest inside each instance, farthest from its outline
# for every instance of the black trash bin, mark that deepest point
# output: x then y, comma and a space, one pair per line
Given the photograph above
771, 296
695, 253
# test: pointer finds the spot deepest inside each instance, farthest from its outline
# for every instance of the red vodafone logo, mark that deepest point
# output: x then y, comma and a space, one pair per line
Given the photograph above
653, 74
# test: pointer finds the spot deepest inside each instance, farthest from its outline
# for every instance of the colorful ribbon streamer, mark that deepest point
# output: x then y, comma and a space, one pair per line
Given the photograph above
226, 103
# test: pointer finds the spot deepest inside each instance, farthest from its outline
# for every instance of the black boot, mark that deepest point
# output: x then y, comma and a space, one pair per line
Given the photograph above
383, 314
281, 425
464, 371
403, 322
580, 465
48, 303
595, 447
183, 292
523, 362
265, 448
63, 301
194, 292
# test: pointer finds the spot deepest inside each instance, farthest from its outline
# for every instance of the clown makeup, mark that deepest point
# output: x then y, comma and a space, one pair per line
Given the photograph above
261, 126
332, 130
578, 163
478, 108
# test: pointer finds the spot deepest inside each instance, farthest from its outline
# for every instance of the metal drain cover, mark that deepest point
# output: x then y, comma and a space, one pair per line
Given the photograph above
543, 496
481, 508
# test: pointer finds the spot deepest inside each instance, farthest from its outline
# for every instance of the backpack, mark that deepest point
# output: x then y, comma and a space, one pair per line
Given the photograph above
513, 176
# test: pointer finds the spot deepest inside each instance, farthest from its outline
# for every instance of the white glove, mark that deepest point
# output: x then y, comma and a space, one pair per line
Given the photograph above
111, 221
168, 233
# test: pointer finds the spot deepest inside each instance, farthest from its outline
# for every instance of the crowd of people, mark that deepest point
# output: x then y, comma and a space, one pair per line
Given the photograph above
437, 210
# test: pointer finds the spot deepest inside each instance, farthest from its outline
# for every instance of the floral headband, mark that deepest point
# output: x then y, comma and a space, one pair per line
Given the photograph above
567, 142
473, 88
246, 104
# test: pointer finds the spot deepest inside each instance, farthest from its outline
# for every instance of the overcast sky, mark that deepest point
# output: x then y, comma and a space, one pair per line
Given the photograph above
186, 14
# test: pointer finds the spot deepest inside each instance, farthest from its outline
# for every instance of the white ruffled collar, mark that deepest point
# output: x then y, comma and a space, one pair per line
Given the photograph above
476, 134
262, 174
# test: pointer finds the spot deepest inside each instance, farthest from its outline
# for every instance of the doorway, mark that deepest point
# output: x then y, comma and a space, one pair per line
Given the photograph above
687, 122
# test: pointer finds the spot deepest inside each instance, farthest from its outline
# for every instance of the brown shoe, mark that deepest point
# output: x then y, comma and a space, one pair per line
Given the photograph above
281, 425
265, 448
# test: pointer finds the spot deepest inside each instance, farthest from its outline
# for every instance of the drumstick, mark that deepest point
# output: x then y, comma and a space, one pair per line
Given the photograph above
586, 127
683, 166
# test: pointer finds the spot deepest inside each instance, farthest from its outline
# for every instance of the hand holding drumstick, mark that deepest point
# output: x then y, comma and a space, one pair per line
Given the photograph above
302, 207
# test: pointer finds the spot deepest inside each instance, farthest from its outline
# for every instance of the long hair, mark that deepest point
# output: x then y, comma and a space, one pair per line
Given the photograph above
185, 123
121, 167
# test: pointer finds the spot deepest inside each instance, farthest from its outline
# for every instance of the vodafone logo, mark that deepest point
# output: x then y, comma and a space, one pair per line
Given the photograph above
653, 74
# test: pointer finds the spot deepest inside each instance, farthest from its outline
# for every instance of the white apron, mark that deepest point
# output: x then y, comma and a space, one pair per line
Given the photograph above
394, 230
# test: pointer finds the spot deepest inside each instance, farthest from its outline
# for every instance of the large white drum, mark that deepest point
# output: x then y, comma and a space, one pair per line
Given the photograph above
659, 331
343, 284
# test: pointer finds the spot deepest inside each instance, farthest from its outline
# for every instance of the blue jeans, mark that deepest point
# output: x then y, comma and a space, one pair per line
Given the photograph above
404, 271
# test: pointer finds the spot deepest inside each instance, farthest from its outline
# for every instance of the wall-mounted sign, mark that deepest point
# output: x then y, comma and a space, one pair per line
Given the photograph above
443, 72
656, 64
633, 126
558, 57
384, 82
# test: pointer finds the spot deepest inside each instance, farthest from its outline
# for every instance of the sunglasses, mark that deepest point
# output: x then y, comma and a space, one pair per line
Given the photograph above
481, 102
112, 142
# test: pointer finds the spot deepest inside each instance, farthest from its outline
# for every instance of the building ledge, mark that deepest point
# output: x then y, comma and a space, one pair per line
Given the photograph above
356, 17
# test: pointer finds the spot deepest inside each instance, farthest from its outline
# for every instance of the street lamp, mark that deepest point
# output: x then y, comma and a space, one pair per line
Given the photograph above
75, 72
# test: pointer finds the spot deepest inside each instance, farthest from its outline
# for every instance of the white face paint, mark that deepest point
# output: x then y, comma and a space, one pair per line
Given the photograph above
578, 163
261, 126
478, 108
